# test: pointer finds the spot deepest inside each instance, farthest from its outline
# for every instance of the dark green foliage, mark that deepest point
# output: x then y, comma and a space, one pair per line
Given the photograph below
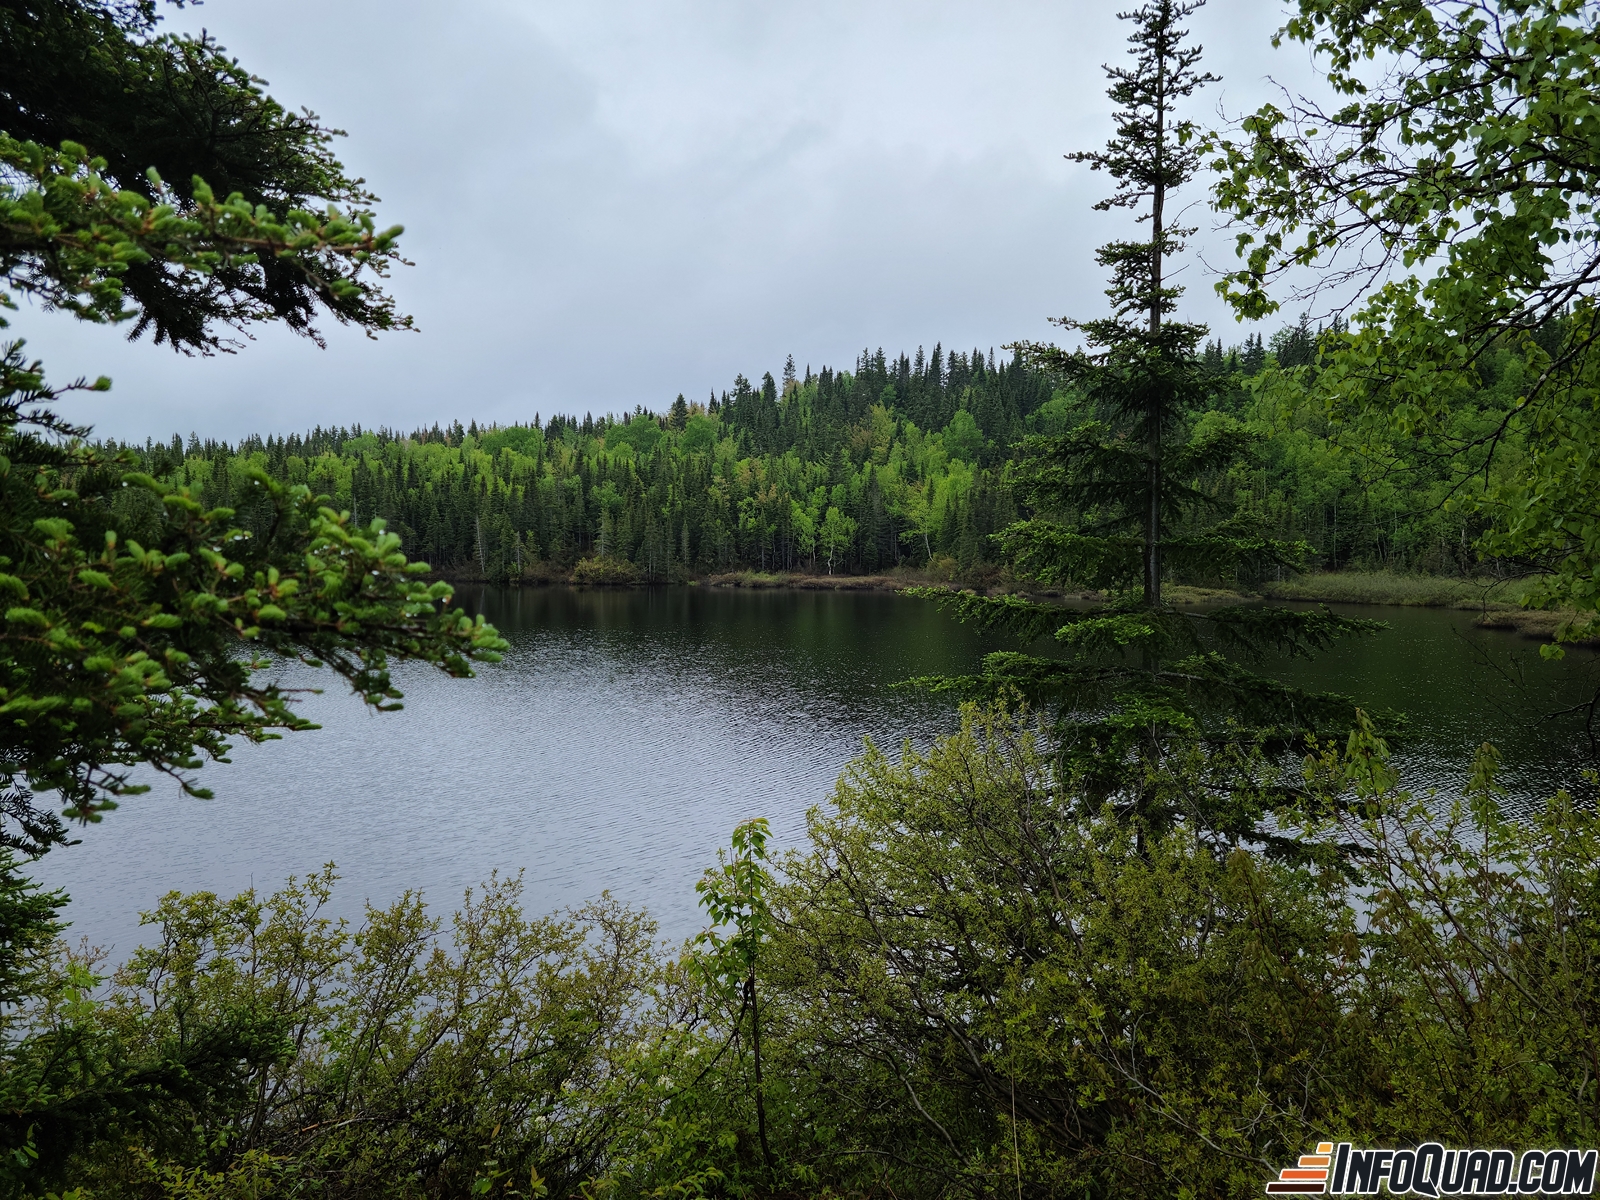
673, 497
1014, 992
75, 1088
990, 987
28, 931
96, 73
68, 1084
973, 981
411, 1061
922, 496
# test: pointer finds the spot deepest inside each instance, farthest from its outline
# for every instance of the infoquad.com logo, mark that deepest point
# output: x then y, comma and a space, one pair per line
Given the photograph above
1431, 1170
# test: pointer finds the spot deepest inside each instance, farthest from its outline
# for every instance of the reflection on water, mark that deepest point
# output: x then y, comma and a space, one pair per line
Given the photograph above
1460, 686
627, 732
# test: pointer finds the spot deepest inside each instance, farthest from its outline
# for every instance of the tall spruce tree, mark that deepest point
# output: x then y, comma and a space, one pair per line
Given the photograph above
1135, 494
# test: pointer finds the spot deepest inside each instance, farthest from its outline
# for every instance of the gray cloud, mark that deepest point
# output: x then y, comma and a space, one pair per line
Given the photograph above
612, 202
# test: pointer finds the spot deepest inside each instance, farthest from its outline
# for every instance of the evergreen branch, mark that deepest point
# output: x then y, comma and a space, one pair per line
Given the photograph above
1155, 632
1226, 549
1295, 633
69, 239
1026, 619
1060, 557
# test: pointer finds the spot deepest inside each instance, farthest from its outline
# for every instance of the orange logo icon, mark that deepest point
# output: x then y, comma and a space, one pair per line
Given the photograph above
1311, 1175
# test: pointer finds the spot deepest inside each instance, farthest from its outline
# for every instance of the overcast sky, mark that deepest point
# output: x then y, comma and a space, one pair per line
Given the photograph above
614, 201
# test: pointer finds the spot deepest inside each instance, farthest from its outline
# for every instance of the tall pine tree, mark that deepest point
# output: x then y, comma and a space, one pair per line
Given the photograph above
1135, 494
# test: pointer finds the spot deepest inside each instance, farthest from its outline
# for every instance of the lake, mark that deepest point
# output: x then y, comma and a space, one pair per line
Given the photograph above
627, 732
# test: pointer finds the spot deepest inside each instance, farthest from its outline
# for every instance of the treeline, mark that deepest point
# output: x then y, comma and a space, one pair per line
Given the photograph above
844, 471
1367, 498
898, 462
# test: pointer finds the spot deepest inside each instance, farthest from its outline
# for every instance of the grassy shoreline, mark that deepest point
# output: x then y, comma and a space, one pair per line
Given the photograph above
1390, 587
887, 581
1498, 603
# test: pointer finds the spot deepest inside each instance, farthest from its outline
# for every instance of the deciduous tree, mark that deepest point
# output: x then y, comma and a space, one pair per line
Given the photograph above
1447, 193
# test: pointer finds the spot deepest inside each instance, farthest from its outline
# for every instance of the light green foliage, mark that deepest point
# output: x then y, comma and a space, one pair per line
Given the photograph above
1357, 494
700, 434
837, 532
490, 1054
962, 437
1452, 186
641, 433
736, 895
743, 486
520, 438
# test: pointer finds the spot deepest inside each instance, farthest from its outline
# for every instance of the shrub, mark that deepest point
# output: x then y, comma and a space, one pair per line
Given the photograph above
606, 571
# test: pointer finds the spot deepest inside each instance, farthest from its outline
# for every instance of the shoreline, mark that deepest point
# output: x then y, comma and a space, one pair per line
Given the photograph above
1497, 603
889, 581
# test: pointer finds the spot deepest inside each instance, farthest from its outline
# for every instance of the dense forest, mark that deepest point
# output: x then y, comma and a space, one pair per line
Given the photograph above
898, 462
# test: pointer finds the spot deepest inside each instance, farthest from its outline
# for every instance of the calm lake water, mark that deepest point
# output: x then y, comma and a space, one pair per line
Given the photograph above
627, 732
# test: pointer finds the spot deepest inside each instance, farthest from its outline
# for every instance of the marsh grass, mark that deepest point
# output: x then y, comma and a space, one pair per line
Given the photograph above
1392, 587
1499, 603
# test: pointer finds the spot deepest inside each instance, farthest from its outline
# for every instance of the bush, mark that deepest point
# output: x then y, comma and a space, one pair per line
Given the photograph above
971, 983
999, 991
409, 1057
612, 571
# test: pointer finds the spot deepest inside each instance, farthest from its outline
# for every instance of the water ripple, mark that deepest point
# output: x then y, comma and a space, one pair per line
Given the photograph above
626, 733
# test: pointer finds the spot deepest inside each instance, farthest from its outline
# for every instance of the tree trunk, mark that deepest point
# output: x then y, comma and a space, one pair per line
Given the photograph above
1153, 405
761, 1099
